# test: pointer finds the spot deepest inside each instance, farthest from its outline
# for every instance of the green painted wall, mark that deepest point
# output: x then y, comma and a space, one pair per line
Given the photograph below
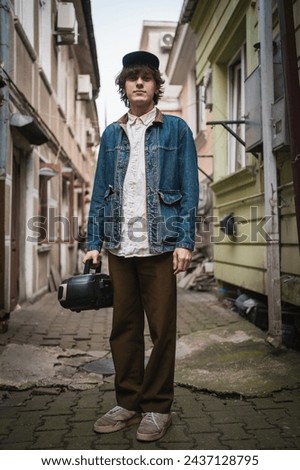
221, 27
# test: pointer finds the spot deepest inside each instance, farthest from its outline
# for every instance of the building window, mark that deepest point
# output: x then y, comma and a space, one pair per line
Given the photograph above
46, 172
45, 37
66, 210
204, 100
201, 112
70, 93
43, 208
236, 111
67, 206
62, 60
24, 10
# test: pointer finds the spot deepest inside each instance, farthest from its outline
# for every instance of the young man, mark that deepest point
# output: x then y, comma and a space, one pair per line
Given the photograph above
143, 210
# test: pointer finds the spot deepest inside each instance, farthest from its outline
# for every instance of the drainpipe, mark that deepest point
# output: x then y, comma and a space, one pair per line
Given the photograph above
270, 175
292, 93
4, 132
4, 65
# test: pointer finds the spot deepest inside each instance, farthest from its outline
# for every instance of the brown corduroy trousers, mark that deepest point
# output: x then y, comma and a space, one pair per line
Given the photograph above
144, 286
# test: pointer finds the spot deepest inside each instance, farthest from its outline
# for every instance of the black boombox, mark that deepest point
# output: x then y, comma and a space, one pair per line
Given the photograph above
87, 291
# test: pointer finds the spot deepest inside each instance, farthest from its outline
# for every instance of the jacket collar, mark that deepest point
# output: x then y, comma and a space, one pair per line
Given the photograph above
159, 118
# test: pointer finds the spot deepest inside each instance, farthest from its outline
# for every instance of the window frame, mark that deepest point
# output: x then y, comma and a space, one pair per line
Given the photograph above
25, 13
45, 37
236, 74
201, 108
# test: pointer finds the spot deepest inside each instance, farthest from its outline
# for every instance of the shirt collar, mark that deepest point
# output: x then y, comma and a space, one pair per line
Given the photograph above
159, 118
145, 118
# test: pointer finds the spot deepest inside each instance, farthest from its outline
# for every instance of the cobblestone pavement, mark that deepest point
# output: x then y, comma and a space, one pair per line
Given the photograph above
63, 419
60, 415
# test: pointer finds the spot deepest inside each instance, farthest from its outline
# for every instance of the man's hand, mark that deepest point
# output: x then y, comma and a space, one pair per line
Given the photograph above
181, 259
95, 256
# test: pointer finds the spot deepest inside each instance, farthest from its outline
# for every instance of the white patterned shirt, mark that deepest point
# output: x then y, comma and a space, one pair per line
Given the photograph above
134, 232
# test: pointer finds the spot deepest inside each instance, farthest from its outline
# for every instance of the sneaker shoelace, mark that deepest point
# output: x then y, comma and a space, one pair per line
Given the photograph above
150, 417
114, 410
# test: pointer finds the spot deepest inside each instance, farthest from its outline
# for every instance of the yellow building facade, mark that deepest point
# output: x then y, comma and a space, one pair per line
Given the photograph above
239, 43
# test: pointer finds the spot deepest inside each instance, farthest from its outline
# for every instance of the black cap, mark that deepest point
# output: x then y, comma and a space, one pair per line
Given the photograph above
141, 58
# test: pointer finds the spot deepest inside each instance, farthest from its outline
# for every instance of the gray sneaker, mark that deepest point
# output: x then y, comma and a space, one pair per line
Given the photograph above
116, 419
153, 426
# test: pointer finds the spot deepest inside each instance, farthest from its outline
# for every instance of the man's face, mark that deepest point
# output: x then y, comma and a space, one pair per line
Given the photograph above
140, 88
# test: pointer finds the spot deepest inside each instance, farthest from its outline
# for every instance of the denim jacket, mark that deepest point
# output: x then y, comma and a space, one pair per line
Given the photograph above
172, 187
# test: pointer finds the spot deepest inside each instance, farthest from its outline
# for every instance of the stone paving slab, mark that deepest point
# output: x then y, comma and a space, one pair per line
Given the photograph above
26, 366
228, 360
224, 353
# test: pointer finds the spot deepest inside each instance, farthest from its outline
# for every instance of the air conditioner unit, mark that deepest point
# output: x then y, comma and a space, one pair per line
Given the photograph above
84, 88
66, 17
166, 41
67, 25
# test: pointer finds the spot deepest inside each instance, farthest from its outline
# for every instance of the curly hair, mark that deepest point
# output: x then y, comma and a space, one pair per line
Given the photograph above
133, 72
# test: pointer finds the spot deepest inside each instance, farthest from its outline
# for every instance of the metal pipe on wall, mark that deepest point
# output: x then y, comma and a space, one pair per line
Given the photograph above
270, 175
4, 130
4, 65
